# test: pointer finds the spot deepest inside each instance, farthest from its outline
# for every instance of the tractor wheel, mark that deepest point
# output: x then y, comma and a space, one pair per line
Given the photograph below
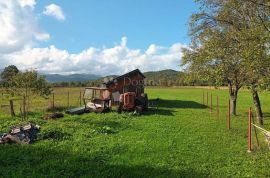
145, 102
119, 108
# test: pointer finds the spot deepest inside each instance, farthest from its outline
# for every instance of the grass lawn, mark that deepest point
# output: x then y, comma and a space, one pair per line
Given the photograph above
180, 139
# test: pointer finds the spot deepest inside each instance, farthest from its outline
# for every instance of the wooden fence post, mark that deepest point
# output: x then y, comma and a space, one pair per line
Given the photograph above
68, 99
217, 108
53, 100
80, 97
249, 130
207, 98
24, 107
229, 115
203, 98
211, 103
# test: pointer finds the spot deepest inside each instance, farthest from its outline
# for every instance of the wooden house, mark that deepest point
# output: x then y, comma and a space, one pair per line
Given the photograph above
130, 82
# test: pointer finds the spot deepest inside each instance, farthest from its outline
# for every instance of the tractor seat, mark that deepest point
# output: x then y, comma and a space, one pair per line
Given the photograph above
93, 105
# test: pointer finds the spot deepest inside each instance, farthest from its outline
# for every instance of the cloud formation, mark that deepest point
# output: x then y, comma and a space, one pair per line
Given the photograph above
30, 3
18, 25
55, 11
19, 31
115, 60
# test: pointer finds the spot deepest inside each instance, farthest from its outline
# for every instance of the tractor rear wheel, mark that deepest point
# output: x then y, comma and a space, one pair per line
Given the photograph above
145, 101
119, 108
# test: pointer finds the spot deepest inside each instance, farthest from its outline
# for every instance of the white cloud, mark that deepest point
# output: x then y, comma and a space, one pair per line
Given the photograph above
42, 36
54, 10
19, 30
18, 25
30, 3
105, 61
151, 50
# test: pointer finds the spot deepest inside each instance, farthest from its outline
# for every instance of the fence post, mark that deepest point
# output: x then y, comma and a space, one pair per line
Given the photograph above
229, 115
211, 103
80, 97
207, 98
217, 108
203, 98
249, 130
53, 100
24, 107
68, 99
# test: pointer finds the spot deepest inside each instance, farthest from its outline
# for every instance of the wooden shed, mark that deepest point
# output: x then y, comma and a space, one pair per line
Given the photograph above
130, 82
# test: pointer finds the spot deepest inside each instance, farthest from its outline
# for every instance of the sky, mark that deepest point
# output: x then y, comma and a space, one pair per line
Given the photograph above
100, 37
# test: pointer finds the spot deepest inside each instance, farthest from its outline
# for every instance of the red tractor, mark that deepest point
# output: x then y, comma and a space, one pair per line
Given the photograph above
130, 102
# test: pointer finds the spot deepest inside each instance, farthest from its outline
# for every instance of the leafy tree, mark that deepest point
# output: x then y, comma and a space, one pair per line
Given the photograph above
8, 75
30, 84
211, 59
25, 84
231, 40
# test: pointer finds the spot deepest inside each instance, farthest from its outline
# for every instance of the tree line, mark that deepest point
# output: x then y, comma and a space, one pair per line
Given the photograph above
164, 78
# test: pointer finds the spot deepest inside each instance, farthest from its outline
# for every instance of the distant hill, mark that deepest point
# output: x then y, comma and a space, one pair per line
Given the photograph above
164, 78
157, 75
54, 78
154, 78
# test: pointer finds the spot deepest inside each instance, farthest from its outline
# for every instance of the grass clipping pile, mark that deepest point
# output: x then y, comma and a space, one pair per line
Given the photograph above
20, 134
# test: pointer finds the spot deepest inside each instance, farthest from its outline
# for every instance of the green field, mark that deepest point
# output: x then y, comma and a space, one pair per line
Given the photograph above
180, 139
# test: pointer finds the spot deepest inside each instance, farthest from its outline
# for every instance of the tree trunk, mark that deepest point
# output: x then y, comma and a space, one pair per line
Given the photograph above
233, 105
257, 103
233, 92
11, 104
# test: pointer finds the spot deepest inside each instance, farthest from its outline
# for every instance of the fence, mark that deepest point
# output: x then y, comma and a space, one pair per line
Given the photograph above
61, 98
253, 129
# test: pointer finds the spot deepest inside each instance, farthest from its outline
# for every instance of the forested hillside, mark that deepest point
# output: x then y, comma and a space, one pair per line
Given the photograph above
154, 78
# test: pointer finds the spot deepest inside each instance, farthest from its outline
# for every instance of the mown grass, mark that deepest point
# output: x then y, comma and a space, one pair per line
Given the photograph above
180, 139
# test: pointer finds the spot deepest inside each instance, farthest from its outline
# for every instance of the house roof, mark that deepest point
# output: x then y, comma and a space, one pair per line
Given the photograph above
125, 75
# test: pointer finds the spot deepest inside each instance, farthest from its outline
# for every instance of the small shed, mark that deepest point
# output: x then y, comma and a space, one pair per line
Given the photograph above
130, 82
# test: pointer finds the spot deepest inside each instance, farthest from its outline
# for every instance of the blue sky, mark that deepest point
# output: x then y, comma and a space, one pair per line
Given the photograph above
104, 22
146, 34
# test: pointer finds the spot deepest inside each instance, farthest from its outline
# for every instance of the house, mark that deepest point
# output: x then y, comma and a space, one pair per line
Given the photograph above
130, 82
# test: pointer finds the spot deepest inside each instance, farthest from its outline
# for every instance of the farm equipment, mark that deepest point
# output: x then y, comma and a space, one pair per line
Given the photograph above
97, 99
130, 102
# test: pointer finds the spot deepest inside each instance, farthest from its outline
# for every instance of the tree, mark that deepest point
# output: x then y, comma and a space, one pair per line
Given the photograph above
210, 58
244, 27
25, 84
249, 21
30, 84
8, 82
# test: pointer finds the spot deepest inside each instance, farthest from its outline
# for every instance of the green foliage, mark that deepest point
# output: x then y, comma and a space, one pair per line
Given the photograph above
9, 72
29, 83
8, 79
104, 130
230, 44
230, 41
53, 133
